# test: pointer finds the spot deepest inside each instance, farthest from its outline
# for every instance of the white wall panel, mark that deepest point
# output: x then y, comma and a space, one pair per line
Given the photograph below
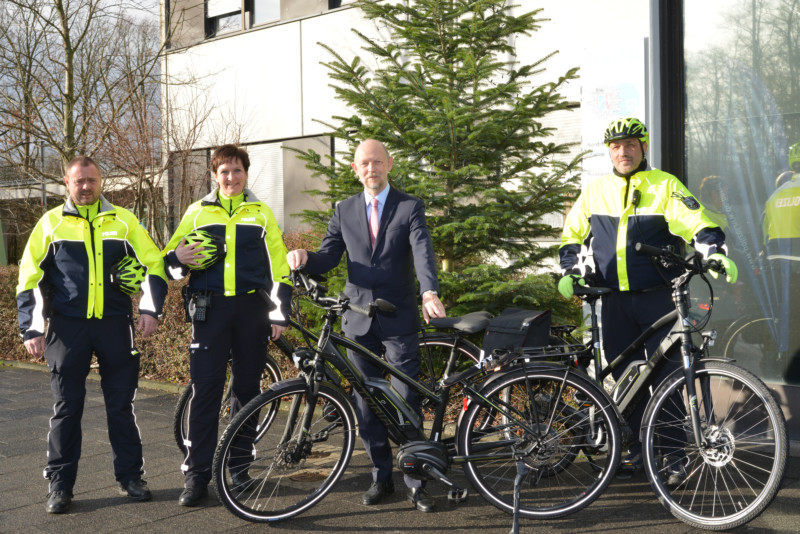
335, 30
248, 85
265, 177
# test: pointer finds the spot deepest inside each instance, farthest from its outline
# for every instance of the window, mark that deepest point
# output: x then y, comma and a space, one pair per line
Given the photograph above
742, 115
223, 16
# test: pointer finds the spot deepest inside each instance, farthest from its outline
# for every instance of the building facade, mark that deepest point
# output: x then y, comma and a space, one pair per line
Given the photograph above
717, 82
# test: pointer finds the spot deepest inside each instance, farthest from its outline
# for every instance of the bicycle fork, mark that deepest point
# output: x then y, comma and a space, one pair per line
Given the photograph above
680, 296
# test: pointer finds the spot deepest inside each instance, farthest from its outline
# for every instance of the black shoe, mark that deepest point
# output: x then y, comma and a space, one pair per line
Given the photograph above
630, 466
192, 496
58, 502
675, 471
241, 482
421, 499
136, 490
377, 491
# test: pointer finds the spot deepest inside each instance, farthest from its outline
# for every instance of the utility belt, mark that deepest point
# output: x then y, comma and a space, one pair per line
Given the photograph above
197, 303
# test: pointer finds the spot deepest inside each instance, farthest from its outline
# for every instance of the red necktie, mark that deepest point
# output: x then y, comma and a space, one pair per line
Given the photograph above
373, 221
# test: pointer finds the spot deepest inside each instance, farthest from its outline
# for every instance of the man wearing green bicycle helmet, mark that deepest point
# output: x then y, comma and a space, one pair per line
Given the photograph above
633, 203
230, 245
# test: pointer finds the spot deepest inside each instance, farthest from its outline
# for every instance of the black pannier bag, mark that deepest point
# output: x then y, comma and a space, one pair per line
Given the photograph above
515, 328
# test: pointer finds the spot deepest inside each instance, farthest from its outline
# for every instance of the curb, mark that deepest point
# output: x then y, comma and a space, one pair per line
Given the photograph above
143, 382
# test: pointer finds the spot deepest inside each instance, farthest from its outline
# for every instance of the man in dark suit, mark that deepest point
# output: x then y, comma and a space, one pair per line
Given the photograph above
386, 239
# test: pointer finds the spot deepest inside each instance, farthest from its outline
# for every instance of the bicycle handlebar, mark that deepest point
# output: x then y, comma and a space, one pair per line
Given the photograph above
317, 291
690, 263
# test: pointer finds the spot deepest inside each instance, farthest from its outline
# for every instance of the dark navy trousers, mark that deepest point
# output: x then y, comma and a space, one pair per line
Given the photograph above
238, 329
625, 316
70, 343
402, 352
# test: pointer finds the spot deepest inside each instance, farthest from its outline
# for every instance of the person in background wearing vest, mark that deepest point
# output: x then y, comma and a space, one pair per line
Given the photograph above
634, 204
782, 244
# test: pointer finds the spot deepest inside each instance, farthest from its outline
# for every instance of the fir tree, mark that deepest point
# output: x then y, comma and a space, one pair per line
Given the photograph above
464, 125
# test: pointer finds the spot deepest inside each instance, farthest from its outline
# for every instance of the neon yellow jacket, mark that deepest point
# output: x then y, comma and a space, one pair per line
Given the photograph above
605, 218
782, 222
67, 262
255, 253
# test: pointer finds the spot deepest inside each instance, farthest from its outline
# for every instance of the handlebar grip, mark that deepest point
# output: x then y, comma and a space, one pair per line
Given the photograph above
369, 312
644, 248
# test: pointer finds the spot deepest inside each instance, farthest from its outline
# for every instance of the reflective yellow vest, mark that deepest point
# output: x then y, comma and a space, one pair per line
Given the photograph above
67, 263
255, 255
605, 218
782, 222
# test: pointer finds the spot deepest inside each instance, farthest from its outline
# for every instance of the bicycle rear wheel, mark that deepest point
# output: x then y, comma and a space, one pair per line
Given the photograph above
555, 424
271, 470
735, 476
180, 418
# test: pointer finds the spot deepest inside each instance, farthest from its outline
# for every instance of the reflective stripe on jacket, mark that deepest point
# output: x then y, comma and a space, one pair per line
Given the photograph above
67, 262
255, 253
666, 214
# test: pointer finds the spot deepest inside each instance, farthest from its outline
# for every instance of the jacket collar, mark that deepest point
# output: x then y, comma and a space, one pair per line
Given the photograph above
70, 209
213, 199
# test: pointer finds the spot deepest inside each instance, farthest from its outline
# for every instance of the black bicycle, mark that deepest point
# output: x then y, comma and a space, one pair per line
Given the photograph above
435, 348
537, 439
713, 438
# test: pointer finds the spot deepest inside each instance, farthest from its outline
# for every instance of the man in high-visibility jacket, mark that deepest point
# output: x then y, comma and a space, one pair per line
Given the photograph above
782, 243
634, 204
70, 274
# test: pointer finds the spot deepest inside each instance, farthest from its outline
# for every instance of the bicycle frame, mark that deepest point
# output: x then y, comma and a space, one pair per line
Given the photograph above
679, 335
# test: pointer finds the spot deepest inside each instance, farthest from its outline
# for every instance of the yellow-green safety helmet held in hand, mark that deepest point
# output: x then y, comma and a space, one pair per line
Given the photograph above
213, 248
127, 275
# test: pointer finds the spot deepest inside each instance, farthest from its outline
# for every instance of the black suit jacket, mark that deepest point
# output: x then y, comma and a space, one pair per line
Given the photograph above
402, 247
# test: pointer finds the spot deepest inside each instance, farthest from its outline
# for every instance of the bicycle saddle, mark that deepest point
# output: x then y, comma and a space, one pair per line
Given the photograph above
468, 324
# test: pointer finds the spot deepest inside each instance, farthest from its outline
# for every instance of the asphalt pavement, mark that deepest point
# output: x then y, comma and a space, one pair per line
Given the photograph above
26, 406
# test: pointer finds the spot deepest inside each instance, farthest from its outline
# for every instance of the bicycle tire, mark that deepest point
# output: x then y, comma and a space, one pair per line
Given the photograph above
180, 417
287, 475
565, 473
734, 479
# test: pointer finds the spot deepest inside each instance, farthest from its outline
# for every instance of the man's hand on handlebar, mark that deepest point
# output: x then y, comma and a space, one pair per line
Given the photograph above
566, 286
728, 267
297, 258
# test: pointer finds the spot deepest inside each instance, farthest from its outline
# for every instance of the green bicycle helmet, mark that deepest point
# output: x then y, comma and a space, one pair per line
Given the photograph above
627, 128
213, 248
794, 157
127, 275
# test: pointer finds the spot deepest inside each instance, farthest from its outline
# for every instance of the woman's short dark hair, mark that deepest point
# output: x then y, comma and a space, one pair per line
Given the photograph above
227, 153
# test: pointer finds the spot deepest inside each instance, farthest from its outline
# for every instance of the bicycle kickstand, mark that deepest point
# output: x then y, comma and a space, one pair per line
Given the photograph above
522, 470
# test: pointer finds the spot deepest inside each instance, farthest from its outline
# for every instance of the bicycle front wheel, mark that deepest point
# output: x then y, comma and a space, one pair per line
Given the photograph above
180, 418
271, 470
735, 474
553, 427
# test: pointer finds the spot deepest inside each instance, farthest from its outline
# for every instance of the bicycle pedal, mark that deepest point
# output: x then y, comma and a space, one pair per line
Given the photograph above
457, 495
